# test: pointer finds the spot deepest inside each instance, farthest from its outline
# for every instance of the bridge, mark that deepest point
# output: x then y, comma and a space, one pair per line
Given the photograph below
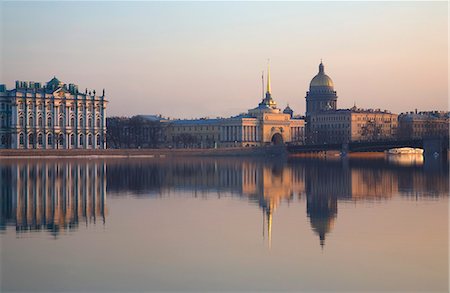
430, 145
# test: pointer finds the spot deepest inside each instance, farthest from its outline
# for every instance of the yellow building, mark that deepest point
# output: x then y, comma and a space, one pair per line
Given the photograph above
264, 125
346, 125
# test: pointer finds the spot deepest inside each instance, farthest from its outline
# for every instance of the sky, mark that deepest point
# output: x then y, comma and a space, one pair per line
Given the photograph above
205, 59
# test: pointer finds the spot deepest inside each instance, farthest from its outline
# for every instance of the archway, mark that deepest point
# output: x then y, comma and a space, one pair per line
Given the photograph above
277, 139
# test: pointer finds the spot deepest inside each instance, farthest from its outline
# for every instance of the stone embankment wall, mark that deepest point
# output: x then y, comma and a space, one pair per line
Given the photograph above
124, 153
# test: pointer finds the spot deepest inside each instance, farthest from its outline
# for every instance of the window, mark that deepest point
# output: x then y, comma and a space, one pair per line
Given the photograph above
40, 121
30, 121
81, 122
90, 122
72, 139
98, 122
21, 139
90, 139
49, 121
21, 106
61, 121
49, 140
40, 139
98, 139
81, 140
30, 139
61, 139
72, 121
3, 141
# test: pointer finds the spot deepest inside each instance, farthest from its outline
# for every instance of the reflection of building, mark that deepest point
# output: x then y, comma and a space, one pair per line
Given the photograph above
53, 196
328, 124
53, 116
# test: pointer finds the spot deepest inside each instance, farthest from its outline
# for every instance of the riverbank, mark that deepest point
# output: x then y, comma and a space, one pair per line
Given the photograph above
270, 151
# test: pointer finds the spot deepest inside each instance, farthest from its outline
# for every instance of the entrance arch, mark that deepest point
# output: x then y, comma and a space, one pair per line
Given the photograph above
277, 139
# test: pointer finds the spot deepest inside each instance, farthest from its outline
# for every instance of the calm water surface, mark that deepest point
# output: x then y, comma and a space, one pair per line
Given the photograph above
224, 225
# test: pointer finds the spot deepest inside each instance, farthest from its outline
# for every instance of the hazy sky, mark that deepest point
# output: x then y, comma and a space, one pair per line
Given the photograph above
194, 59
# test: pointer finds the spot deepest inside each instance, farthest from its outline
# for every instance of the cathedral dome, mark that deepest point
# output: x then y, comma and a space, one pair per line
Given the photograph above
321, 79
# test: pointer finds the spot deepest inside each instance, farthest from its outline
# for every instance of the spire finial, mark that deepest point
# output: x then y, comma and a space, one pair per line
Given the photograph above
268, 76
321, 68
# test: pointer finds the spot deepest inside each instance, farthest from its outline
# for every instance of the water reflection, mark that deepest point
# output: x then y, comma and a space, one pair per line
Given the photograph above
52, 196
59, 195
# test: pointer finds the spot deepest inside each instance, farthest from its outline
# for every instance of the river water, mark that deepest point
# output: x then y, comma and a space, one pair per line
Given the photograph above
365, 225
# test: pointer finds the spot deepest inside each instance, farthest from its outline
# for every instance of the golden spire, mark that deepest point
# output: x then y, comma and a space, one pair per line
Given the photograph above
268, 76
269, 228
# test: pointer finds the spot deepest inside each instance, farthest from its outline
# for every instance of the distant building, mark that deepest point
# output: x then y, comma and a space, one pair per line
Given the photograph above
321, 95
328, 124
263, 125
53, 116
418, 125
347, 125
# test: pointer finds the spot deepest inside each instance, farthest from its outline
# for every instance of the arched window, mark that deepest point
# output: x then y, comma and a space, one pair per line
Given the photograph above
61, 121
90, 122
30, 121
81, 140
30, 139
49, 121
21, 121
72, 139
81, 122
98, 139
90, 139
61, 139
49, 140
98, 122
40, 141
40, 121
72, 121
21, 139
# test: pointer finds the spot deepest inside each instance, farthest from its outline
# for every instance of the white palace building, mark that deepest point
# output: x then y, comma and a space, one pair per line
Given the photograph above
54, 116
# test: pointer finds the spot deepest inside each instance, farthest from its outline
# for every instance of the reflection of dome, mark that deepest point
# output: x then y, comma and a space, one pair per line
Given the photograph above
322, 226
321, 79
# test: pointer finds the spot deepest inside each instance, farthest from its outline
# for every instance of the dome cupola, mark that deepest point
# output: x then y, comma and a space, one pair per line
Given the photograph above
321, 79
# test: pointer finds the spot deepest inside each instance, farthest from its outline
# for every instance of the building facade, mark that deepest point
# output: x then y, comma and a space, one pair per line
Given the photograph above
264, 125
328, 124
418, 125
53, 116
347, 125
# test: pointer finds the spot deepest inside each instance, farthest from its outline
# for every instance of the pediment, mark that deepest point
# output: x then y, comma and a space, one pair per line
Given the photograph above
60, 92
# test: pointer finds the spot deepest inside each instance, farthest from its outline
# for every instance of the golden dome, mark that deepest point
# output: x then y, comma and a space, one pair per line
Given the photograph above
321, 79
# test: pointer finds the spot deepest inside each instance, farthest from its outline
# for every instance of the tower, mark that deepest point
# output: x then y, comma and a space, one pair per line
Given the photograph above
321, 95
268, 100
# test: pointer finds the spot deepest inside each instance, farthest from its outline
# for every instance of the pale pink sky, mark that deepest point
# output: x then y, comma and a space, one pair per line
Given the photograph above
195, 59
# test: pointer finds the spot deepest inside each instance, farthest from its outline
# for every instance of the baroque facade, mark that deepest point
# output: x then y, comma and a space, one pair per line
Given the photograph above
54, 116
